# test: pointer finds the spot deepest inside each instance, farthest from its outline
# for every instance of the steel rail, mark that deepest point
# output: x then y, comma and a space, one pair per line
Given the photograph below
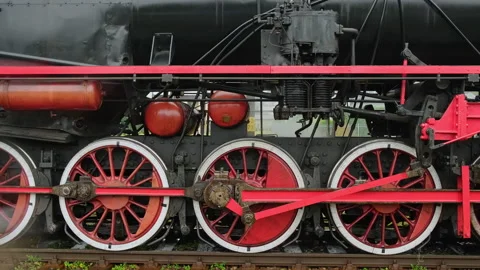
202, 260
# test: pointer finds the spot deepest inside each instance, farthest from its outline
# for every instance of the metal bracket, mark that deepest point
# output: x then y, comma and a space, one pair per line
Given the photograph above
424, 148
83, 190
411, 58
162, 49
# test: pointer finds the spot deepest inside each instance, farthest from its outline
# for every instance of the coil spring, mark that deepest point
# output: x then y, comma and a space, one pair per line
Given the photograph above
296, 94
322, 94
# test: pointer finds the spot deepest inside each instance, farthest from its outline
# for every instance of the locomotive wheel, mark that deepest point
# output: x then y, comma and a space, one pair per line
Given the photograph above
260, 164
17, 211
383, 229
116, 222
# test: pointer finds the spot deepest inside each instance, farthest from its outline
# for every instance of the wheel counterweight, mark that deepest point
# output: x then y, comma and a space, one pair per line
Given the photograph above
116, 222
383, 229
259, 164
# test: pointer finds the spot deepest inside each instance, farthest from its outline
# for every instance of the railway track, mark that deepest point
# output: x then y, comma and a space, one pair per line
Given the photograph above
53, 258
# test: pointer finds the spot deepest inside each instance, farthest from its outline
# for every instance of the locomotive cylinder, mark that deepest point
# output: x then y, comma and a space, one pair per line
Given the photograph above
230, 112
61, 96
167, 118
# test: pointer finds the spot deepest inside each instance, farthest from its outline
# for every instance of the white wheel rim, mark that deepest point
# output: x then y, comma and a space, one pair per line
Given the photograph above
28, 166
336, 176
259, 144
157, 163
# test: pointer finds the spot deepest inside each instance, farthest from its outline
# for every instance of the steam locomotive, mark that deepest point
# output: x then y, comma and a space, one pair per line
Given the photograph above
123, 122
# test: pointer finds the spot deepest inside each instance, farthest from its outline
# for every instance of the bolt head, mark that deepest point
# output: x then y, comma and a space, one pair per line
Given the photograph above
197, 193
66, 191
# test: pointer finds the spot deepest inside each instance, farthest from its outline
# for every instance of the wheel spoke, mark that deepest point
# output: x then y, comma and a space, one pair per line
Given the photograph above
224, 214
110, 161
234, 223
383, 230
95, 208
260, 157
125, 163
12, 205
370, 226
7, 165
365, 213
125, 224
136, 170
405, 218
141, 182
379, 163
83, 172
367, 171
113, 223
134, 215
397, 230
100, 221
4, 215
394, 162
138, 204
419, 180
232, 169
244, 159
99, 167
15, 177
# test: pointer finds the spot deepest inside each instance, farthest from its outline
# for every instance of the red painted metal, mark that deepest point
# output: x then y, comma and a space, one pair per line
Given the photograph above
403, 89
288, 196
165, 119
233, 206
80, 95
363, 197
228, 113
460, 121
259, 70
341, 192
148, 192
24, 190
463, 209
280, 175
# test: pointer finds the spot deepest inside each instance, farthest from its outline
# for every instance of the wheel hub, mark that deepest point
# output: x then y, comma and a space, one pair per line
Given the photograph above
114, 202
386, 208
217, 195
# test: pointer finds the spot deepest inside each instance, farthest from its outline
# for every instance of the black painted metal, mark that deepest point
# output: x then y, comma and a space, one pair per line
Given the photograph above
110, 33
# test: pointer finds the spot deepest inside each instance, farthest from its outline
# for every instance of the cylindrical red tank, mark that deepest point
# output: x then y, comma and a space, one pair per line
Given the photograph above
227, 114
168, 118
61, 96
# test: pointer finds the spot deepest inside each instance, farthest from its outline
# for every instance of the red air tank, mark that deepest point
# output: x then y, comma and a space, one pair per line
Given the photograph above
61, 96
227, 113
168, 118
